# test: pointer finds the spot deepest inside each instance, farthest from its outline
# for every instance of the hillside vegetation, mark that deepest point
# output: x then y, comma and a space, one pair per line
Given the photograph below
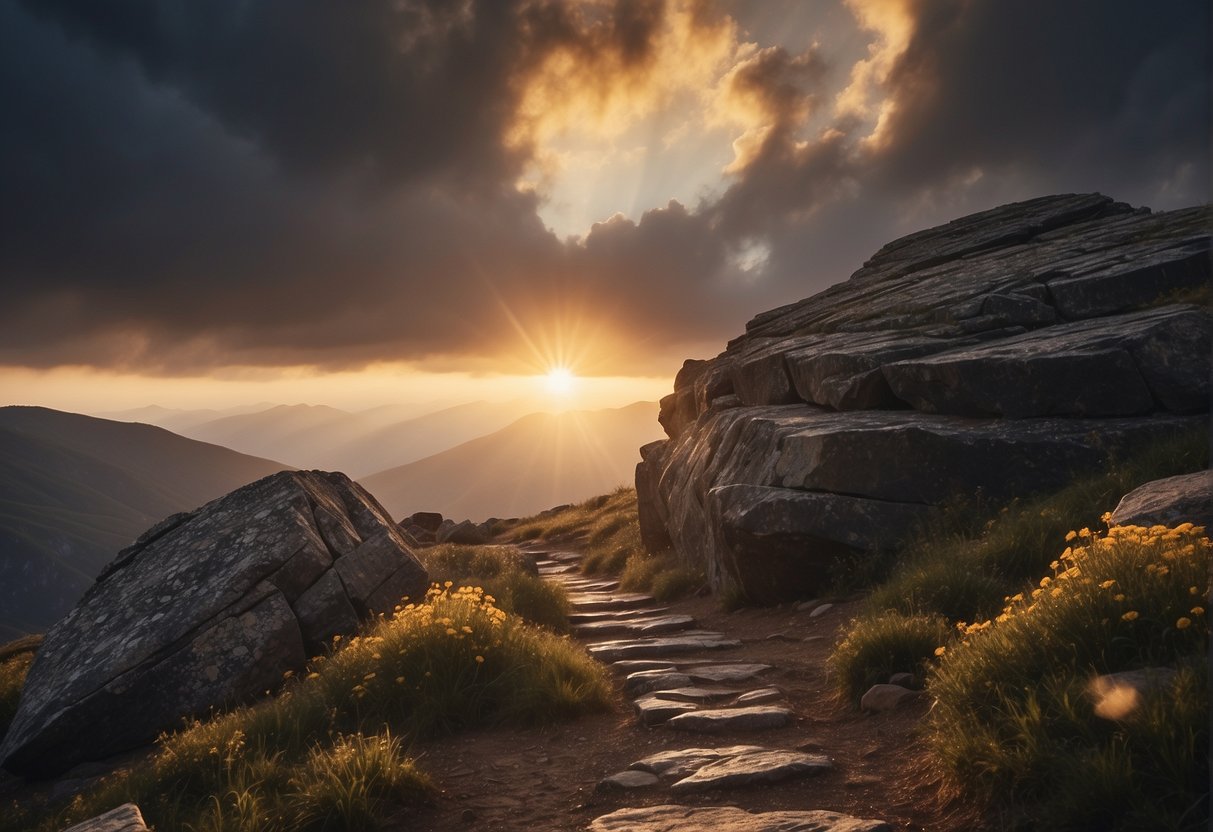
74, 490
330, 750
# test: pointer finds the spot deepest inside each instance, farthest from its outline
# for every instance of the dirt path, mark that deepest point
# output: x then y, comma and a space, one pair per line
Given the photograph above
547, 778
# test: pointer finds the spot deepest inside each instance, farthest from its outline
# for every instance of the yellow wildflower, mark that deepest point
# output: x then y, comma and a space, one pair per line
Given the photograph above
939, 651
1107, 584
1118, 597
1197, 610
479, 659
1131, 615
1183, 623
1070, 535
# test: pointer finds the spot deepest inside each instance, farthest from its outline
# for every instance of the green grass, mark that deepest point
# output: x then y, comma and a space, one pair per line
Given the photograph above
607, 528
15, 659
886, 644
325, 748
1019, 725
506, 574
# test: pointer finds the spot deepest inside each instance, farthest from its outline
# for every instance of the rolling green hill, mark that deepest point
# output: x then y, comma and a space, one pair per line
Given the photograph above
75, 489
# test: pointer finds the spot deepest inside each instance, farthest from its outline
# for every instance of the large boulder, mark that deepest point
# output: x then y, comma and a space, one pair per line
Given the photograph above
208, 609
989, 358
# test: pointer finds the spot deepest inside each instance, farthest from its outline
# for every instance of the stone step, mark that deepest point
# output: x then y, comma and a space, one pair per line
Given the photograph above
652, 710
650, 626
753, 718
735, 672
640, 648
752, 768
600, 602
697, 695
554, 570
615, 615
673, 818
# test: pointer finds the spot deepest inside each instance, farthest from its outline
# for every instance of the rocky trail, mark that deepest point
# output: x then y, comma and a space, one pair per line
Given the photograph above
723, 721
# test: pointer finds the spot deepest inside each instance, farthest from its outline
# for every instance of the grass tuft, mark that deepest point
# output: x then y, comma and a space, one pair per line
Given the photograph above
506, 574
879, 646
15, 659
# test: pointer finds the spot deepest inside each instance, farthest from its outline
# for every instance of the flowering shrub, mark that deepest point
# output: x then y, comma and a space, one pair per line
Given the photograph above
1018, 719
327, 747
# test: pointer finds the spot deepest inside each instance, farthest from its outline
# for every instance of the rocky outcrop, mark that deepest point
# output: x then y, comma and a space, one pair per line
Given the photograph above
992, 357
207, 609
125, 818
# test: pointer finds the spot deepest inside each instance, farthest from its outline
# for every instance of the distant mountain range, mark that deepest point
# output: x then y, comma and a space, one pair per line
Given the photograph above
316, 436
74, 490
536, 462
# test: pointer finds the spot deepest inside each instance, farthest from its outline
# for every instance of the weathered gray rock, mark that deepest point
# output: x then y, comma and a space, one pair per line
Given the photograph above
752, 718
600, 602
1187, 498
670, 818
776, 538
465, 532
628, 666
653, 710
741, 672
759, 697
125, 818
697, 695
1157, 358
646, 681
654, 625
627, 780
754, 767
427, 520
206, 611
993, 357
680, 762
688, 642
886, 697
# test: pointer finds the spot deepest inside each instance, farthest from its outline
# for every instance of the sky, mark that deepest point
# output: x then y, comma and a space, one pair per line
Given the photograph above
219, 203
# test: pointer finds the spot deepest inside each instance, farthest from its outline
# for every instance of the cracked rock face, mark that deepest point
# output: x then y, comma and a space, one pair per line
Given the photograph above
207, 609
998, 355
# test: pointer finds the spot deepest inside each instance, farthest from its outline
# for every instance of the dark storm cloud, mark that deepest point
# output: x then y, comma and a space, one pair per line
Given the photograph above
187, 185
1085, 92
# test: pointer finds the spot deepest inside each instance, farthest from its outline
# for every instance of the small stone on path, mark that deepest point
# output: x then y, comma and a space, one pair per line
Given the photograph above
754, 718
821, 610
625, 780
125, 818
730, 819
759, 697
636, 665
886, 697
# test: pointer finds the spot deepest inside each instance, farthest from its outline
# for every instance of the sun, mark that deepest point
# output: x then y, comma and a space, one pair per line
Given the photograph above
559, 381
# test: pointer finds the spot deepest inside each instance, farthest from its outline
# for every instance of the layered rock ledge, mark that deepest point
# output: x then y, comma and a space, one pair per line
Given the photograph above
995, 356
207, 609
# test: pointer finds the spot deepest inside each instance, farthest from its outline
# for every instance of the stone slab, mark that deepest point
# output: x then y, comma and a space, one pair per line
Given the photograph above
740, 672
751, 768
653, 710
680, 762
753, 718
687, 642
670, 818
